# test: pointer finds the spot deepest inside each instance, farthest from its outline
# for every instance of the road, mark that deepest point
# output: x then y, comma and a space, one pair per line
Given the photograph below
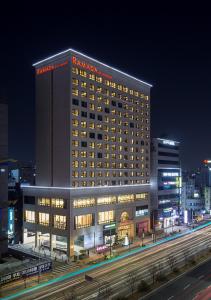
116, 272
187, 287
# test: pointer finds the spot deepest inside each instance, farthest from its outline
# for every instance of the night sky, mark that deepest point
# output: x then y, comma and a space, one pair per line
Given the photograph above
172, 53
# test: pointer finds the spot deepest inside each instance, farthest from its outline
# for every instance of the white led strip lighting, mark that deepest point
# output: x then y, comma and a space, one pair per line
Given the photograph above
95, 60
83, 188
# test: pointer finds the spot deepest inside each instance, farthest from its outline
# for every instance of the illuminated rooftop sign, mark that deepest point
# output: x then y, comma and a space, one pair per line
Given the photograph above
50, 68
207, 161
168, 142
89, 67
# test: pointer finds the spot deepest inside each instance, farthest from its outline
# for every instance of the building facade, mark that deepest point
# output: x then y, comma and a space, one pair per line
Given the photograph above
165, 182
3, 176
92, 155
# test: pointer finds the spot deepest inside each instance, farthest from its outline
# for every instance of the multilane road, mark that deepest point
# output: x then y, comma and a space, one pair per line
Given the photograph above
114, 277
192, 285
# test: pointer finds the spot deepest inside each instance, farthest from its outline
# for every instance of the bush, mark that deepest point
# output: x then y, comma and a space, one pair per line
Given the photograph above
161, 277
143, 286
193, 261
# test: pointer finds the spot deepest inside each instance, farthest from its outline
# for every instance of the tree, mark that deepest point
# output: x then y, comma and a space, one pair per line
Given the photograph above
131, 281
104, 290
171, 261
153, 272
186, 254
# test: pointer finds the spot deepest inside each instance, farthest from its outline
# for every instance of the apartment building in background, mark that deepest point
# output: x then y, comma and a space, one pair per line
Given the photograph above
3, 177
92, 155
165, 182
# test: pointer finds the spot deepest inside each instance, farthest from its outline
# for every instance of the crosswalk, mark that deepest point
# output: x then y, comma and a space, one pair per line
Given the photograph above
61, 269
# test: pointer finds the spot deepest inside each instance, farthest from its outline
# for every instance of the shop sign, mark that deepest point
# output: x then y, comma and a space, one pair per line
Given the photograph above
109, 226
101, 249
26, 272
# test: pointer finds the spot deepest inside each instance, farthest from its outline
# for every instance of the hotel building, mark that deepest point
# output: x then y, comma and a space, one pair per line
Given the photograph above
92, 155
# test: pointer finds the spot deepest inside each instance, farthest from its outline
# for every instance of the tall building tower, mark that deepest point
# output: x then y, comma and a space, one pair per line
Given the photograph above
165, 182
92, 155
3, 176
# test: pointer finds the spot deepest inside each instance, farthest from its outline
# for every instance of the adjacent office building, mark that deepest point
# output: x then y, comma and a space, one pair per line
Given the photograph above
3, 175
92, 155
165, 182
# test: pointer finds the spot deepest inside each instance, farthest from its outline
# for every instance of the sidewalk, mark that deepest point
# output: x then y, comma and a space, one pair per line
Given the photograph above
137, 242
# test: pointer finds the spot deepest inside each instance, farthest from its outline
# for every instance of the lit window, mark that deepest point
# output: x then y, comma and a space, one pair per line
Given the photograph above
126, 198
75, 132
92, 97
75, 70
75, 174
75, 143
105, 217
92, 145
75, 91
83, 84
92, 76
75, 81
83, 94
75, 122
75, 164
74, 153
44, 219
75, 112
59, 221
83, 124
83, 154
29, 216
44, 201
83, 134
77, 203
82, 73
99, 79
91, 87
57, 202
106, 200
84, 221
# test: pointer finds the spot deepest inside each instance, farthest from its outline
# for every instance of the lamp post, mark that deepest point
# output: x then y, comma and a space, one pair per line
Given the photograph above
142, 238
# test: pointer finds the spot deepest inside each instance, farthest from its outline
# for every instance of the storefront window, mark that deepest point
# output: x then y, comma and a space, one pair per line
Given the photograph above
105, 217
59, 221
44, 219
84, 221
30, 216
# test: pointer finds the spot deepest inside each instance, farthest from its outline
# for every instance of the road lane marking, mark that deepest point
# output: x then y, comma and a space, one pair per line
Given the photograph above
187, 286
200, 277
170, 297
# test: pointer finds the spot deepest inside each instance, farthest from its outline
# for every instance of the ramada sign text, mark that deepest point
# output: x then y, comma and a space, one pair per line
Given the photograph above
76, 62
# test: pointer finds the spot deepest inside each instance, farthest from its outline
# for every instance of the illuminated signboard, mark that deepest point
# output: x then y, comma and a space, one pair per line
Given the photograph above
109, 226
25, 272
11, 220
167, 142
101, 248
50, 68
170, 174
89, 67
